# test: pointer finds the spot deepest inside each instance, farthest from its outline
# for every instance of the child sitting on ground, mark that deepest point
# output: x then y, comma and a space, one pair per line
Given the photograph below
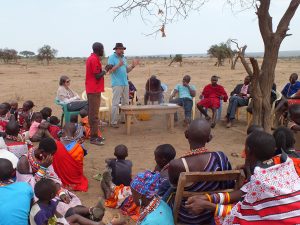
25, 115
85, 123
250, 130
44, 210
73, 138
3, 117
46, 113
54, 127
14, 108
121, 168
39, 128
163, 155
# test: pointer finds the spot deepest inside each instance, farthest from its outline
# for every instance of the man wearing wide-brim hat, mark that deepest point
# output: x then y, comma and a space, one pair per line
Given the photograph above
119, 80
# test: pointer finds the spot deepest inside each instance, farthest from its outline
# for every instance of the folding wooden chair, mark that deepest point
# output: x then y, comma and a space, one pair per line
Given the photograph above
193, 177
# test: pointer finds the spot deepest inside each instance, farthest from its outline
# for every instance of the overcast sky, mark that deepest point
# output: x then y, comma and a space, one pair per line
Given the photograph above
71, 26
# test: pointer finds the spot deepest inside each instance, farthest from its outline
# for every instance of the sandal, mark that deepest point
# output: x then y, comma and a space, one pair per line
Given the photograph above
208, 118
97, 212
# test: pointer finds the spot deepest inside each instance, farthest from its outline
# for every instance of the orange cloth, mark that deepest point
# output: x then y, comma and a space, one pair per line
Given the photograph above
129, 208
113, 200
243, 154
87, 128
77, 153
296, 161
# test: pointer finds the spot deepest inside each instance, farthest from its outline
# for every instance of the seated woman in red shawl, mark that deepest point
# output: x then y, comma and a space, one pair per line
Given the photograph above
68, 159
211, 96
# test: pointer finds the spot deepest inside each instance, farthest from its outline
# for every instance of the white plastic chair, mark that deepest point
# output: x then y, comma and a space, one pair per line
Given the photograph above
104, 111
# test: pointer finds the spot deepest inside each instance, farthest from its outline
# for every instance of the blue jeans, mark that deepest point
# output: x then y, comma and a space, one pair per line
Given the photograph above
234, 102
187, 105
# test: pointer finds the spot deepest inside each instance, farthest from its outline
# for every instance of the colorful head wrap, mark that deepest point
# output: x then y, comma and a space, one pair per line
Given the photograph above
146, 183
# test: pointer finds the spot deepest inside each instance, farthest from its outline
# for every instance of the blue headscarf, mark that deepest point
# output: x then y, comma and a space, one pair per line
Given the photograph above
146, 183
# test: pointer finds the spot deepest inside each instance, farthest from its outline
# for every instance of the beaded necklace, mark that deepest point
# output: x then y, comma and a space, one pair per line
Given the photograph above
7, 182
35, 165
149, 209
197, 151
12, 138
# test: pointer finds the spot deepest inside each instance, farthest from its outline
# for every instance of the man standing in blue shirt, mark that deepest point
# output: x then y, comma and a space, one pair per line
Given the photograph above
186, 93
119, 80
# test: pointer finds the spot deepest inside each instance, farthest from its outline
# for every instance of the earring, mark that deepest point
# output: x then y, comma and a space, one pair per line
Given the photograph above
140, 202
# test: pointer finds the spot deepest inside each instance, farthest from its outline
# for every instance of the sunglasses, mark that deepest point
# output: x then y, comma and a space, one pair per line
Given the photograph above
68, 81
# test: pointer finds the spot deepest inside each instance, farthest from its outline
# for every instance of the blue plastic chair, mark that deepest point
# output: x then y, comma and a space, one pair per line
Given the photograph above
65, 114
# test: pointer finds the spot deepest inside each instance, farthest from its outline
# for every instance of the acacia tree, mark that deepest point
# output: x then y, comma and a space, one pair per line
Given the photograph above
46, 53
167, 11
27, 54
177, 58
221, 51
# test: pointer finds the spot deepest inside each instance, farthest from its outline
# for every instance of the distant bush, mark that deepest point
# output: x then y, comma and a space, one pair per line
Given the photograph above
8, 55
46, 53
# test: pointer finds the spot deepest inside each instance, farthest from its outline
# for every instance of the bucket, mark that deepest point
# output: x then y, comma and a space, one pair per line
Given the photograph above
144, 116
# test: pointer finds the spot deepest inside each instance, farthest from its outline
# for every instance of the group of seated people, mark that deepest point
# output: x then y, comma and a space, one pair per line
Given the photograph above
43, 176
211, 97
213, 94
149, 197
271, 170
51, 168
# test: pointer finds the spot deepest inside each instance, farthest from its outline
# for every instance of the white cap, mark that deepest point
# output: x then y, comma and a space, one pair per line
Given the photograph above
4, 154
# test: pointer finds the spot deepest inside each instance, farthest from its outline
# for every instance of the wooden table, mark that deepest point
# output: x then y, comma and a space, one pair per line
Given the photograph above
168, 109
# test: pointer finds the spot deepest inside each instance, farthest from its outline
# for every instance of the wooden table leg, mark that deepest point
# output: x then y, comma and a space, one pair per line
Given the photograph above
128, 123
170, 122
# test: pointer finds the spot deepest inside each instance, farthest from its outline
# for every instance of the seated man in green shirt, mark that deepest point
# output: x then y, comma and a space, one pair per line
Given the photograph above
186, 93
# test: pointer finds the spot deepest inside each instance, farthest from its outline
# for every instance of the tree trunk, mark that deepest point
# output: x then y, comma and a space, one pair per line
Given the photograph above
263, 80
233, 63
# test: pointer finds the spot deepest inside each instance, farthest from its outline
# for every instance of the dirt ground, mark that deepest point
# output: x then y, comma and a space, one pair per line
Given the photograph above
30, 80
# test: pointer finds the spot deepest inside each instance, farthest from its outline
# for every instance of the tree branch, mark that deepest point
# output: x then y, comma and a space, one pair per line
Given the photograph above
283, 25
264, 20
237, 44
246, 66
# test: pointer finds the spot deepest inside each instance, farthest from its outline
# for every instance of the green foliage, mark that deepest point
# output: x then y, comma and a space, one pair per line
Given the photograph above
27, 54
46, 53
8, 55
178, 58
221, 52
